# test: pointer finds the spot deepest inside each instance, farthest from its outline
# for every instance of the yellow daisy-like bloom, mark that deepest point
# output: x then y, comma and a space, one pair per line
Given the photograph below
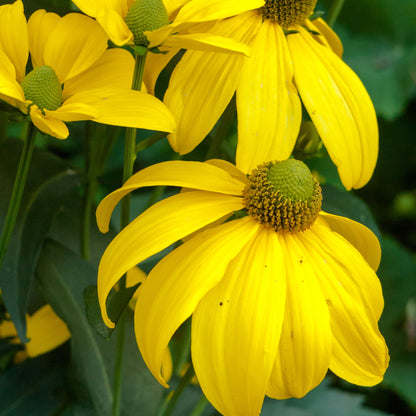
146, 22
278, 294
96, 81
292, 58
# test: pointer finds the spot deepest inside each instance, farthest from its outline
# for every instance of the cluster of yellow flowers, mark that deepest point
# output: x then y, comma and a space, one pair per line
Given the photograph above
278, 290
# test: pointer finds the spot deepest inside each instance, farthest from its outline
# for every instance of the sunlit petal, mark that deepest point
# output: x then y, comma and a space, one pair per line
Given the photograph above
114, 26
52, 126
327, 35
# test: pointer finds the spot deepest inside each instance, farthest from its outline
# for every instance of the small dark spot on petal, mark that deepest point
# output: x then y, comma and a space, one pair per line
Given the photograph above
220, 303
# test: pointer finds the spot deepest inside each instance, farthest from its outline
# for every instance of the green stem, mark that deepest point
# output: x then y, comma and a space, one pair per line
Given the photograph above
129, 159
200, 406
149, 141
18, 188
169, 405
334, 12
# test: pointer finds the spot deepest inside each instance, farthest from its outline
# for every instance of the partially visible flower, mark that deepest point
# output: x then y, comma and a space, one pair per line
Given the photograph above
96, 81
278, 293
293, 57
45, 330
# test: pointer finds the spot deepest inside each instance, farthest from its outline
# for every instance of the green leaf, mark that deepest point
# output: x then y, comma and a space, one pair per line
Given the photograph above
63, 275
49, 184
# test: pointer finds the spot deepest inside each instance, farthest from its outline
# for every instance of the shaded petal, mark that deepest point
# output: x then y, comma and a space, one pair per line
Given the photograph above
205, 10
206, 42
46, 331
113, 69
339, 106
69, 51
237, 327
40, 26
306, 340
268, 105
13, 36
197, 175
361, 237
327, 36
49, 125
72, 111
203, 83
359, 353
157, 228
179, 281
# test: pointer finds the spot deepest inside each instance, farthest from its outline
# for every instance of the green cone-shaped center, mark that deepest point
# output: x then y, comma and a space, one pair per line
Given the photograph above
42, 86
146, 15
288, 12
283, 195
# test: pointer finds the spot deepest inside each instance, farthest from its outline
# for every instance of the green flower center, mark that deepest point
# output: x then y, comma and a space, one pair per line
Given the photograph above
146, 15
283, 195
288, 12
42, 86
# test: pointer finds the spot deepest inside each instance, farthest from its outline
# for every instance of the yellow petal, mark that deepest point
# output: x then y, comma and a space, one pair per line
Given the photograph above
113, 69
362, 238
186, 174
90, 7
179, 281
13, 36
339, 106
206, 42
205, 10
114, 26
69, 51
158, 227
268, 105
40, 26
230, 168
173, 5
359, 352
46, 331
305, 344
52, 126
237, 326
73, 111
327, 36
203, 83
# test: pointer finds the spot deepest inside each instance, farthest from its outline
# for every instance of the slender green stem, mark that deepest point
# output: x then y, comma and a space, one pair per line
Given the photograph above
18, 188
200, 406
334, 12
129, 159
169, 405
149, 141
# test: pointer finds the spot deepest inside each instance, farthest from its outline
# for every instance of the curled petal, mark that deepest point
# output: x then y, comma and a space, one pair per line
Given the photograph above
49, 125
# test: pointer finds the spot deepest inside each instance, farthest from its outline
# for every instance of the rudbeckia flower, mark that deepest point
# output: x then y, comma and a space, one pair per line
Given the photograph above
294, 58
96, 81
279, 291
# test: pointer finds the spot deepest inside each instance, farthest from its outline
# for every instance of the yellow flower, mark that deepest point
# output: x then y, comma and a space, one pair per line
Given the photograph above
292, 57
96, 81
278, 294
45, 330
146, 22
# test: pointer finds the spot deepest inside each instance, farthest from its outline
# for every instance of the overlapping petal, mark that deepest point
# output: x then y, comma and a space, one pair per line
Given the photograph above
155, 230
14, 36
115, 27
49, 125
237, 327
268, 105
339, 106
203, 83
305, 344
176, 285
195, 175
326, 35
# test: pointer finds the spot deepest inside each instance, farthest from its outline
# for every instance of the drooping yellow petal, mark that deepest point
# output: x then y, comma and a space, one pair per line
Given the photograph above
52, 126
40, 26
306, 340
69, 51
362, 238
196, 175
13, 36
236, 327
268, 105
121, 107
113, 69
90, 7
206, 42
179, 281
339, 106
46, 331
327, 35
205, 10
359, 352
230, 168
158, 227
72, 111
114, 26
203, 83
